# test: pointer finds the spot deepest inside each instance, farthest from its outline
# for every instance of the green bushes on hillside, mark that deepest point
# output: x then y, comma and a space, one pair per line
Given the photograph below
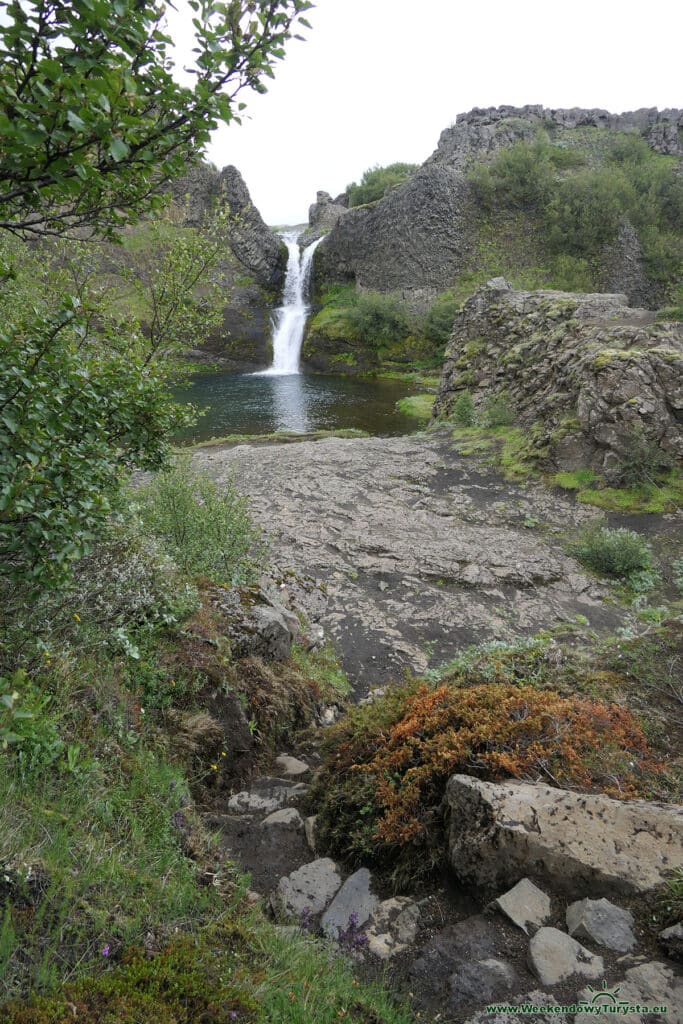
377, 182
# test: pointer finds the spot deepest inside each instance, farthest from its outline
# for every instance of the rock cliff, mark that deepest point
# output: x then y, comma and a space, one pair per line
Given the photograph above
597, 378
252, 270
429, 232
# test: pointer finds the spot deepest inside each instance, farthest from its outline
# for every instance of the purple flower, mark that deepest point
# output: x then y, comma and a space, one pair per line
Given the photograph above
105, 951
233, 1015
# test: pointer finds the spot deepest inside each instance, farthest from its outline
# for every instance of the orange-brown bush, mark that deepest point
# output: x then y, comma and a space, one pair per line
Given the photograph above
387, 765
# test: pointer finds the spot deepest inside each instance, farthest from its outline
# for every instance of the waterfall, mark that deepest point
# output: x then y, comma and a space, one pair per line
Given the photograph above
290, 318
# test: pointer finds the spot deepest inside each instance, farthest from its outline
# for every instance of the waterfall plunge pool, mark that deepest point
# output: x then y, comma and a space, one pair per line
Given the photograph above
297, 403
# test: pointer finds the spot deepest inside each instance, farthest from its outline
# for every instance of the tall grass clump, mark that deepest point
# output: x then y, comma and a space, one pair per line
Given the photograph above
207, 529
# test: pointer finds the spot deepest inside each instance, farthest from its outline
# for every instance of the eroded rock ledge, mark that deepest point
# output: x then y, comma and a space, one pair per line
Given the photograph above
595, 375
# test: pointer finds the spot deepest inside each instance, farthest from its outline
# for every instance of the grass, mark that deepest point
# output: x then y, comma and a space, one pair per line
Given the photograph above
506, 447
666, 495
324, 669
279, 437
419, 407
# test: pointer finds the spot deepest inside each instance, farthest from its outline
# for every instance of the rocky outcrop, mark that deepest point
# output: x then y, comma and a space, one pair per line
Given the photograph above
576, 842
425, 234
598, 378
324, 214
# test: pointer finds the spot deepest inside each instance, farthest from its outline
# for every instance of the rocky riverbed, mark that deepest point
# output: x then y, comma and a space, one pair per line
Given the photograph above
418, 552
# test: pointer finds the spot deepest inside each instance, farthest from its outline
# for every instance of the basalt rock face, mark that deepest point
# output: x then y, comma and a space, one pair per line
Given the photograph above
251, 270
597, 378
324, 214
426, 233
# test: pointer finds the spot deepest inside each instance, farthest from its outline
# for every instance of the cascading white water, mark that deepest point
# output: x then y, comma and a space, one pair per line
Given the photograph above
290, 318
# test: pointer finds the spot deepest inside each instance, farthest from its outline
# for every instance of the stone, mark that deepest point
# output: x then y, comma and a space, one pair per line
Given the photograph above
602, 922
265, 796
555, 957
354, 903
480, 981
308, 889
287, 817
648, 984
525, 904
291, 767
543, 1014
256, 624
671, 940
309, 831
576, 842
392, 926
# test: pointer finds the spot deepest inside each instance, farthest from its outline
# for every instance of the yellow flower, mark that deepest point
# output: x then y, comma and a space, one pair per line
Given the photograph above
77, 617
215, 767
223, 754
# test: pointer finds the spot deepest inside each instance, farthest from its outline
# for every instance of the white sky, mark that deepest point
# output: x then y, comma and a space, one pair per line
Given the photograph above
378, 80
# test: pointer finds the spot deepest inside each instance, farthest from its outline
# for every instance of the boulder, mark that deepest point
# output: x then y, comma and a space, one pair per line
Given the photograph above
647, 985
480, 981
575, 842
671, 940
525, 904
287, 817
308, 890
352, 906
602, 922
555, 957
291, 767
392, 926
256, 624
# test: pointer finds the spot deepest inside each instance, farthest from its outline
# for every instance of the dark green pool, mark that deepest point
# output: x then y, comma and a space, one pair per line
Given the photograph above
254, 404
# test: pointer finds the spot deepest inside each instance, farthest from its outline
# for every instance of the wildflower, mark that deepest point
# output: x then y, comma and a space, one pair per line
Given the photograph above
105, 950
77, 617
223, 753
214, 767
48, 655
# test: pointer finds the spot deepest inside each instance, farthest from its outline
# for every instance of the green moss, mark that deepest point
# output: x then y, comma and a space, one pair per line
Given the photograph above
664, 496
608, 356
574, 481
417, 406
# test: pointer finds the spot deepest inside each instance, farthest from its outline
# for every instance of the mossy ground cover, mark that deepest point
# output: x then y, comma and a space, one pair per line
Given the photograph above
663, 494
419, 407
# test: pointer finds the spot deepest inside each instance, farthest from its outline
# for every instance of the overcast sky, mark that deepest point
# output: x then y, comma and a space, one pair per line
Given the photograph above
378, 80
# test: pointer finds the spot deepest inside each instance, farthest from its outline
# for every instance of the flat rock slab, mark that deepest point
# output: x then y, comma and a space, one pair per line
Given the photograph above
307, 890
647, 985
266, 795
286, 817
602, 922
291, 767
578, 843
351, 907
444, 537
555, 957
525, 904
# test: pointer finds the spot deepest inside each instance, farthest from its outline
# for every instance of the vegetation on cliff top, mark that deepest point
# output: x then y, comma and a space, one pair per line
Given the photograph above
377, 182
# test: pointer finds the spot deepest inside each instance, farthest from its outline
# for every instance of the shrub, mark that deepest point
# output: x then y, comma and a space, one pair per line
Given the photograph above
463, 410
642, 460
386, 766
376, 319
498, 412
207, 528
377, 182
614, 552
439, 320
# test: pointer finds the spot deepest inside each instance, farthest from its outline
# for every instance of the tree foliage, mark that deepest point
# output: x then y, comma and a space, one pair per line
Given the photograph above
377, 182
93, 123
91, 115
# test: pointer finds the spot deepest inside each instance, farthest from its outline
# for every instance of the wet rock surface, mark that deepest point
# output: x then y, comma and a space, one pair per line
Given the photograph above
419, 552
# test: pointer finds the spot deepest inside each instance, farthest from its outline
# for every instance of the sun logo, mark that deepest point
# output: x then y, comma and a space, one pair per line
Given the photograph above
604, 996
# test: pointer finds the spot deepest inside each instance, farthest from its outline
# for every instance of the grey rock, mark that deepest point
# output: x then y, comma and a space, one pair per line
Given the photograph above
602, 922
555, 957
265, 796
480, 981
354, 901
287, 817
576, 841
309, 830
671, 940
291, 767
309, 889
392, 926
587, 360
543, 1015
351, 511
649, 984
525, 904
256, 624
